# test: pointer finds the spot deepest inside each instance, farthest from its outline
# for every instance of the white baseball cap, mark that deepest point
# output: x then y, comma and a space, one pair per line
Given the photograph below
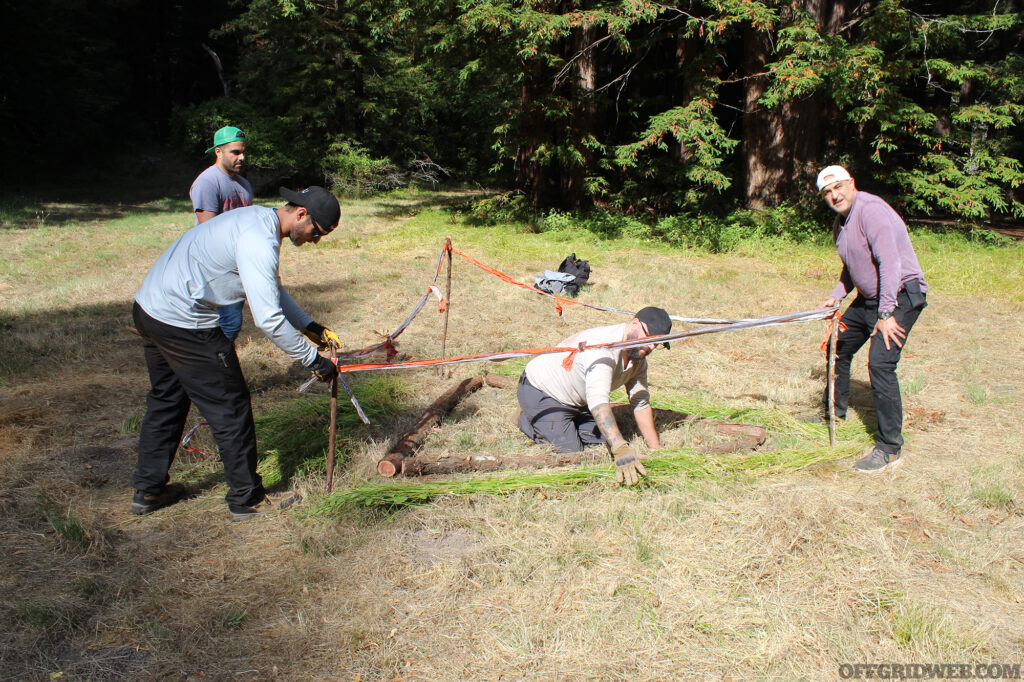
832, 174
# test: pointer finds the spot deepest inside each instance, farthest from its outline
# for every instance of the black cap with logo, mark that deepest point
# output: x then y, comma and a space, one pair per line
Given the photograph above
320, 203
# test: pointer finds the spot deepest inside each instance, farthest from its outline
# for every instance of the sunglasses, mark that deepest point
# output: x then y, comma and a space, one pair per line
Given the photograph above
317, 230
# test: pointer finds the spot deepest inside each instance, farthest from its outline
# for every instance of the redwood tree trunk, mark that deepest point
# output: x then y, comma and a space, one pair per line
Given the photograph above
782, 146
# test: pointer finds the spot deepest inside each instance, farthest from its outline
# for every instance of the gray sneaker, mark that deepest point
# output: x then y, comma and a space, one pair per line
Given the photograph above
877, 460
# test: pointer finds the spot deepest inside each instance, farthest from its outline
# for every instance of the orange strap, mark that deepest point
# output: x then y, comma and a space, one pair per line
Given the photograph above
836, 319
441, 303
462, 358
501, 275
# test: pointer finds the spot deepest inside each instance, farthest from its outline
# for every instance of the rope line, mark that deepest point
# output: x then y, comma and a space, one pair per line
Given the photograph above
388, 344
772, 320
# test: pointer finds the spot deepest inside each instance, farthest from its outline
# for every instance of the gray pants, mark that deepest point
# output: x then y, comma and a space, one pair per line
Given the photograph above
545, 420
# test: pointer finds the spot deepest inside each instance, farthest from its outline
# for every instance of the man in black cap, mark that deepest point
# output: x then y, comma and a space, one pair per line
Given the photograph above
570, 408
227, 259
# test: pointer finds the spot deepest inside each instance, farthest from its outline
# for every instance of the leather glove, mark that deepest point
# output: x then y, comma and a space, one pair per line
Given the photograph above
628, 468
324, 369
321, 336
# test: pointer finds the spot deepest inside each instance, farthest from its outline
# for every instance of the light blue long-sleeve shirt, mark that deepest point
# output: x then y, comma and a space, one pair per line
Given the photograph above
229, 258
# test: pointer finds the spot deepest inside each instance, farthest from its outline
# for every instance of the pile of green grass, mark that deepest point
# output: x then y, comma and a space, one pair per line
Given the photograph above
805, 445
294, 437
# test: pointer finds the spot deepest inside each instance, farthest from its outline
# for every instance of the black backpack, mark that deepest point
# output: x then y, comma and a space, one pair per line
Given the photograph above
579, 269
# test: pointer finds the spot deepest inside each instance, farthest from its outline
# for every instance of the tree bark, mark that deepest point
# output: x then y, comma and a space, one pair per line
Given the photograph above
783, 146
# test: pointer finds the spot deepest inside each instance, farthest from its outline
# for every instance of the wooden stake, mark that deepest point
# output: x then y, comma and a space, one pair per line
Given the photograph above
833, 338
447, 303
333, 431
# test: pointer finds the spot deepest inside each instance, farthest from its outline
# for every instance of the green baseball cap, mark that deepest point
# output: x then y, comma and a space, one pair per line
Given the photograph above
225, 135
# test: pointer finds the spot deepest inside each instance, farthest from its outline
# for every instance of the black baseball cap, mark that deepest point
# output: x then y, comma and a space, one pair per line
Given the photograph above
657, 320
320, 203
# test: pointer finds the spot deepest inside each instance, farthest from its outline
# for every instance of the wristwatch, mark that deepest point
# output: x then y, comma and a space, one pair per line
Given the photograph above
885, 316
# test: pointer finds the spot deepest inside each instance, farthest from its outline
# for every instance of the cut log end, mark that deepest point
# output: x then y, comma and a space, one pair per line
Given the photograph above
390, 466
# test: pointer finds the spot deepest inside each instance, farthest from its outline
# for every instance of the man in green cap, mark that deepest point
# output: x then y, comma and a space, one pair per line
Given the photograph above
219, 189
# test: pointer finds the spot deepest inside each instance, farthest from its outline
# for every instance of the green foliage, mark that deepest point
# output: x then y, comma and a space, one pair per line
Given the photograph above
352, 172
717, 234
639, 108
294, 438
502, 208
268, 144
937, 100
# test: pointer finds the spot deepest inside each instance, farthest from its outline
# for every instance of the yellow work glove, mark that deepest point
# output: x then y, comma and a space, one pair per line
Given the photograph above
321, 336
628, 468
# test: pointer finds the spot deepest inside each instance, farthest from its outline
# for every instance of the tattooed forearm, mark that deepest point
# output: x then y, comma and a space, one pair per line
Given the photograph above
606, 423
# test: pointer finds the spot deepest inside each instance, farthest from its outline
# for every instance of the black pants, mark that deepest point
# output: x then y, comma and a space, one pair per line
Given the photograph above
860, 319
545, 420
198, 366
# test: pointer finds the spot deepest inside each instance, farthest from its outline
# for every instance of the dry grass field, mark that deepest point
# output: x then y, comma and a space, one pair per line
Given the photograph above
781, 565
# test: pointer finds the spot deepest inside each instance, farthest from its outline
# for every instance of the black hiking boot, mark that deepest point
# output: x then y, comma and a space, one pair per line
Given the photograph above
144, 503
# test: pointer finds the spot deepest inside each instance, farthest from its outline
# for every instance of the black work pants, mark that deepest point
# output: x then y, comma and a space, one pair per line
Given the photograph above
545, 420
860, 319
198, 366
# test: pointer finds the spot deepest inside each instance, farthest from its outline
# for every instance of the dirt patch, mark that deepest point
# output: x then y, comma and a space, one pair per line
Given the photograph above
101, 665
92, 466
433, 546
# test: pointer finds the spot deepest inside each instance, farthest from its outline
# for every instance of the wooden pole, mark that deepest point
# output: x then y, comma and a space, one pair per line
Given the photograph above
833, 338
393, 462
333, 431
447, 301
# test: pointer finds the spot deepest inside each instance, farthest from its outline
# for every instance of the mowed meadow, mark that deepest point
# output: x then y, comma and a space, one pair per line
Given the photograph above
779, 563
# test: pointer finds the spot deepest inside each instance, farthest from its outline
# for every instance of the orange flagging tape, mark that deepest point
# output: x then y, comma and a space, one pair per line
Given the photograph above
501, 275
835, 319
507, 355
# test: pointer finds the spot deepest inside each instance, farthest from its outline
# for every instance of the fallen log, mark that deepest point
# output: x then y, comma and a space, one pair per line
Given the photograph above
498, 381
401, 459
393, 462
457, 465
460, 465
665, 419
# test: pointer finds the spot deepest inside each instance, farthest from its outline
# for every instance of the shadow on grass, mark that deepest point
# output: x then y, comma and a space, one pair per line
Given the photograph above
445, 202
66, 339
106, 192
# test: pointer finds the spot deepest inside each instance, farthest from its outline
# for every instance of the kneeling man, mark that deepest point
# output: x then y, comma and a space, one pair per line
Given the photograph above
571, 409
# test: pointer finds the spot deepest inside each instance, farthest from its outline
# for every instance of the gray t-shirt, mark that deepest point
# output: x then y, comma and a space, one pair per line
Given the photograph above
216, 191
229, 258
595, 373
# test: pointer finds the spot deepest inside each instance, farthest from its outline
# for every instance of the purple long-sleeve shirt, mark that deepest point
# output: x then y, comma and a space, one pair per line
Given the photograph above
877, 255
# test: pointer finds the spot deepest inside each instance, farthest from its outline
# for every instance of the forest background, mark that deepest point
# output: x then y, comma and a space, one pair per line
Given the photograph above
664, 115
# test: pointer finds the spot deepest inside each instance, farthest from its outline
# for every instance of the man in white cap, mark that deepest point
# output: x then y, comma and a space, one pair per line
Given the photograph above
219, 189
571, 408
879, 260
